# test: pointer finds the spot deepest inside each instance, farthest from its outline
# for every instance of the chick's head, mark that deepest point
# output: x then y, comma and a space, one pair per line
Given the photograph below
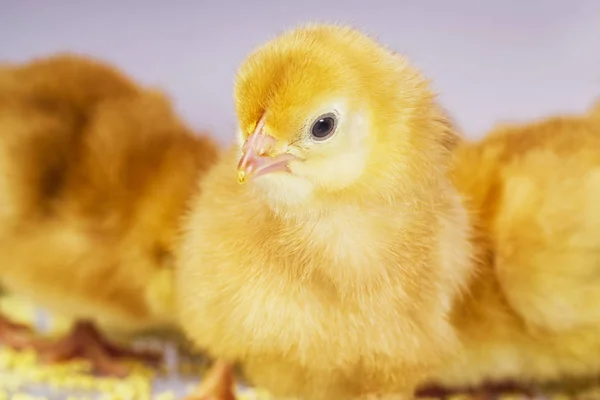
325, 111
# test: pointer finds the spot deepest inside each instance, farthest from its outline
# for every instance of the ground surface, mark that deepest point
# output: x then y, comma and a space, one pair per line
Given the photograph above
22, 377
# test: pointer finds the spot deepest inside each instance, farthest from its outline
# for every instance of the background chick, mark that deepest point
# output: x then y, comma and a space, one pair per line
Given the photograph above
332, 272
532, 315
95, 174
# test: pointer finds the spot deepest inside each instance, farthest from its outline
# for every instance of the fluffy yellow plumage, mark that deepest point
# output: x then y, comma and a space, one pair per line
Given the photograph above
332, 271
370, 251
533, 310
95, 174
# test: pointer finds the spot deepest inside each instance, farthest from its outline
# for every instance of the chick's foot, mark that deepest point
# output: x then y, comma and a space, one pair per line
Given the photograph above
218, 384
86, 342
14, 335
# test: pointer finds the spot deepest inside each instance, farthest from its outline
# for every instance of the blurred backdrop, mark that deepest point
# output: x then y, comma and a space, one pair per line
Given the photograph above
490, 60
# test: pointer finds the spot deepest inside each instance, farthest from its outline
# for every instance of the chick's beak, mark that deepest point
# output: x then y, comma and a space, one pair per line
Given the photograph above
258, 157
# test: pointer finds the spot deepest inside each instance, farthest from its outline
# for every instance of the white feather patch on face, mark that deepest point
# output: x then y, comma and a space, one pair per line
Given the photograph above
334, 163
339, 161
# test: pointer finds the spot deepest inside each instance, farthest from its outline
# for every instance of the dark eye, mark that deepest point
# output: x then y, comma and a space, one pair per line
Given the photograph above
323, 127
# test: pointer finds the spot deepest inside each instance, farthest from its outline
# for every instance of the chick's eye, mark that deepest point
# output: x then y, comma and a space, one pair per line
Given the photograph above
323, 127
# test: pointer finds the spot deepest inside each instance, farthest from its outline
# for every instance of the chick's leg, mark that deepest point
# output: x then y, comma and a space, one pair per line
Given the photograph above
218, 384
12, 334
86, 342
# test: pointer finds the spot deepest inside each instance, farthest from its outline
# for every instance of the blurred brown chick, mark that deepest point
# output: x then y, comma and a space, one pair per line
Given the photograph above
532, 316
95, 174
332, 272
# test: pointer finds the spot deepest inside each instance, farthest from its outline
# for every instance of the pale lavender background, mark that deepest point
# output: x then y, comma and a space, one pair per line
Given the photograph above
506, 59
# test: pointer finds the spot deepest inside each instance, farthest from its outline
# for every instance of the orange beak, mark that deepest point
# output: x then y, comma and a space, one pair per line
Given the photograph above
257, 157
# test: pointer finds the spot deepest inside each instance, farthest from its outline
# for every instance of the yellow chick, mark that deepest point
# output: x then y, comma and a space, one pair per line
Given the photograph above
332, 271
95, 175
532, 315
